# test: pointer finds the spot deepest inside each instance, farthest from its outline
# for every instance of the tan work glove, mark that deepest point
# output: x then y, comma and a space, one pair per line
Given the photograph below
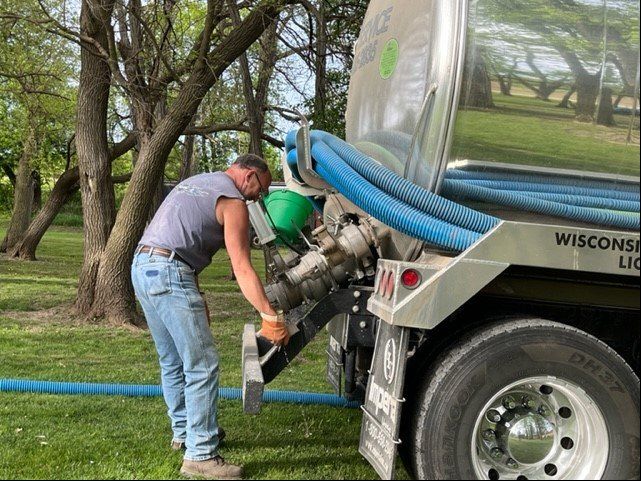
274, 329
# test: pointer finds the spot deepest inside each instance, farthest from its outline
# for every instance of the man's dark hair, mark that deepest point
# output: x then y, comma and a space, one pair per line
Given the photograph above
251, 161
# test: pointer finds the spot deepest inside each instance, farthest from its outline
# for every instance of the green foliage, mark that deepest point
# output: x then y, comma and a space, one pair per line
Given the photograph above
273, 156
6, 195
333, 120
36, 92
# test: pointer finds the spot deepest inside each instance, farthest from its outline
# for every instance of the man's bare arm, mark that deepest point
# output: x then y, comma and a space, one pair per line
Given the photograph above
233, 215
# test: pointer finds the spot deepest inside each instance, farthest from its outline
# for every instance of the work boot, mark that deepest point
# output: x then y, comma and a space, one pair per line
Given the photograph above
215, 468
180, 445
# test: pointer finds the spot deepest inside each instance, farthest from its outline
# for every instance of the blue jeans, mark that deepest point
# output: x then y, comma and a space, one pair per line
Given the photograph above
175, 313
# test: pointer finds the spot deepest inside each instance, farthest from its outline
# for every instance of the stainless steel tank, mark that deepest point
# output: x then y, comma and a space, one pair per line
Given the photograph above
513, 86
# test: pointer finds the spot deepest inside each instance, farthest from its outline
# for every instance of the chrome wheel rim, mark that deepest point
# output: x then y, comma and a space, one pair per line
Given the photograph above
540, 428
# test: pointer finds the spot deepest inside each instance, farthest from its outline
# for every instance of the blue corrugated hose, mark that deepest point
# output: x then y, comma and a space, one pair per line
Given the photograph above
150, 390
408, 208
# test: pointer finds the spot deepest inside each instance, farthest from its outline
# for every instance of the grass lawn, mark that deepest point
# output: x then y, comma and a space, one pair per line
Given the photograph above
103, 437
534, 132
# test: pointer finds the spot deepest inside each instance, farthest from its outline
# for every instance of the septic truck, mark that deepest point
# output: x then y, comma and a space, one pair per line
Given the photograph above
477, 261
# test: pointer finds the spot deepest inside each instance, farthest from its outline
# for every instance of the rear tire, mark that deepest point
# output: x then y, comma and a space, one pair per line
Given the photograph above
568, 408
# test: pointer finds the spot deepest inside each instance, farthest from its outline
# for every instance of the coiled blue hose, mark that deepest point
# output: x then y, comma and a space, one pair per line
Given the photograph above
553, 189
404, 190
521, 201
582, 200
388, 209
538, 178
148, 390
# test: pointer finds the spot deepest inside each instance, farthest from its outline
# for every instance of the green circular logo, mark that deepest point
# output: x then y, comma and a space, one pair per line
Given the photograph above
389, 58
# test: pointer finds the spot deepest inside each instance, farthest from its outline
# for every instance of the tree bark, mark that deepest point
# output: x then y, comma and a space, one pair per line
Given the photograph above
479, 93
9, 173
65, 187
23, 194
587, 87
256, 97
505, 84
565, 101
96, 188
587, 91
605, 110
113, 290
187, 165
37, 192
320, 68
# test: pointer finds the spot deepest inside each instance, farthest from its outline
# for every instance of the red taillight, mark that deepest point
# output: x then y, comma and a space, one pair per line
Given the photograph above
410, 278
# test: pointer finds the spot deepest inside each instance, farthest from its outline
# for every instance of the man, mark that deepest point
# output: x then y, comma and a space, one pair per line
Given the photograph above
192, 223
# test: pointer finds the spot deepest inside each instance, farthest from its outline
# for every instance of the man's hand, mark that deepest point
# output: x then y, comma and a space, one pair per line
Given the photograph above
274, 329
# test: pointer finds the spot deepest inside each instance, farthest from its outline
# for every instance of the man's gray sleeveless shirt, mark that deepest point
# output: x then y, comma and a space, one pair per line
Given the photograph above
186, 220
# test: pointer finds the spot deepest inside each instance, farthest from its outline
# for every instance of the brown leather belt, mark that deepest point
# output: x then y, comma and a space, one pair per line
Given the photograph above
162, 252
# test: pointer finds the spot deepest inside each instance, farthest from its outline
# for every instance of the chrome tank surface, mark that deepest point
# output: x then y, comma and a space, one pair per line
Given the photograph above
404, 74
510, 88
550, 86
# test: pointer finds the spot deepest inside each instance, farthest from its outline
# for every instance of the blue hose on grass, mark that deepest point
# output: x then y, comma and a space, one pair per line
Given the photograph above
150, 390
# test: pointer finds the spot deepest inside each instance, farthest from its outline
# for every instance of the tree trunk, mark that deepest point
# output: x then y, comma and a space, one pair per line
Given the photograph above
479, 92
9, 173
96, 188
113, 290
254, 113
37, 192
587, 90
505, 84
23, 195
565, 102
65, 187
587, 87
320, 69
605, 111
187, 167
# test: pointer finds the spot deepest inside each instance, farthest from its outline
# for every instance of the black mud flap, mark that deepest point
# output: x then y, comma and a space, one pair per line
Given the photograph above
383, 399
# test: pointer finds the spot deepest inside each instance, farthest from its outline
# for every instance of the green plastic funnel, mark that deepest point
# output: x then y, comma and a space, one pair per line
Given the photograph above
288, 209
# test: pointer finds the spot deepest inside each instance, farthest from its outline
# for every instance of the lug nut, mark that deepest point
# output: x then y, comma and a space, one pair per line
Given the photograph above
509, 402
528, 402
493, 416
355, 309
496, 453
357, 294
362, 324
511, 463
489, 435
